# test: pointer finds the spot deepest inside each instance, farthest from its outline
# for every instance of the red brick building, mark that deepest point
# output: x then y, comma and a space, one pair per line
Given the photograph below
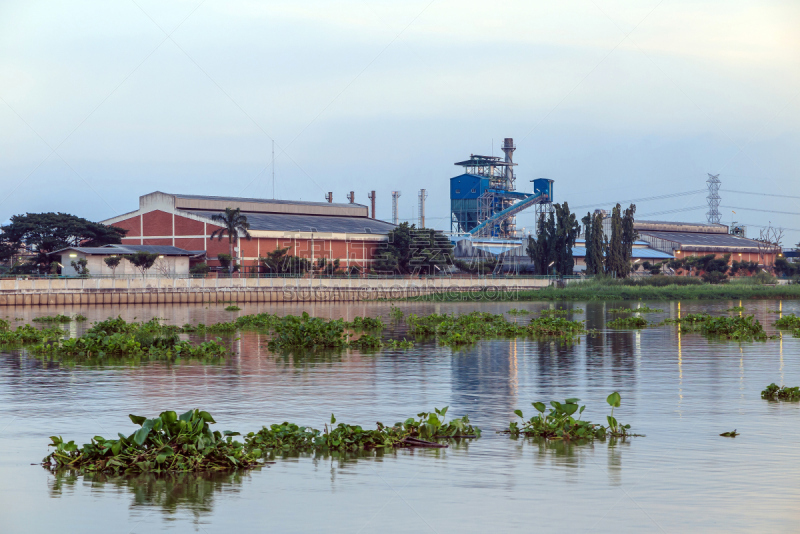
310, 230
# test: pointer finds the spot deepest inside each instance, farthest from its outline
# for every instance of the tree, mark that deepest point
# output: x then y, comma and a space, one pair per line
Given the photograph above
234, 224
629, 233
227, 262
593, 225
615, 257
280, 262
80, 267
113, 262
327, 267
539, 249
414, 250
566, 232
555, 237
44, 233
142, 260
769, 242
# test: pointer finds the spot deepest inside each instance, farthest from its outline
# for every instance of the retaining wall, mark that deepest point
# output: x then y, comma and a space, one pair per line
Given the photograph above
195, 291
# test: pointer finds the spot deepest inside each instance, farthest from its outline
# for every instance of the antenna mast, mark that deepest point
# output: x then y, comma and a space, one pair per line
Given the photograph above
273, 169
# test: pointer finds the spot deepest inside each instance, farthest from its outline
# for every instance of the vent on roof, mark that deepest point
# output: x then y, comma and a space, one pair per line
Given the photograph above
367, 230
314, 229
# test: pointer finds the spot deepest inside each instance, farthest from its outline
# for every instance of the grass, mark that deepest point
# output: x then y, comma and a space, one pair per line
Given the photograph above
674, 288
232, 308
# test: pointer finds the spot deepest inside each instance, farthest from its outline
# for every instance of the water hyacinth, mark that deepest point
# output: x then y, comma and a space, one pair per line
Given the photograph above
28, 334
627, 322
116, 337
788, 321
773, 392
409, 433
559, 423
167, 443
469, 328
737, 327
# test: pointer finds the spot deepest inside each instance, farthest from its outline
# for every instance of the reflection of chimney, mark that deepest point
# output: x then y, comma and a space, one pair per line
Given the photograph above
371, 196
352, 197
509, 148
329, 197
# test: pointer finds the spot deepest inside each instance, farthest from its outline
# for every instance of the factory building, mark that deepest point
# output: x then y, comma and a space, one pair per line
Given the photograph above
311, 230
640, 252
698, 239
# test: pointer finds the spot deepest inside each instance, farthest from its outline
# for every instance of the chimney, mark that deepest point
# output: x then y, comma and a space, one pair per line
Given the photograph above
329, 197
352, 197
371, 197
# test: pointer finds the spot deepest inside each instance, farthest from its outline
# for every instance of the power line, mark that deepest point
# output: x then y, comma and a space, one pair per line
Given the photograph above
764, 211
759, 194
677, 210
645, 199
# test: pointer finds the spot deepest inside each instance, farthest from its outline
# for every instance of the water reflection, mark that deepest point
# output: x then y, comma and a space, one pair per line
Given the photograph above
170, 494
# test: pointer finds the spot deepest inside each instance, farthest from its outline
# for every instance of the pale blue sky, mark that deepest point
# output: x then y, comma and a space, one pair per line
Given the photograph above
613, 100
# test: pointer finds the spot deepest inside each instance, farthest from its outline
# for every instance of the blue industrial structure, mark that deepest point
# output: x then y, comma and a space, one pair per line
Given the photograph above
484, 200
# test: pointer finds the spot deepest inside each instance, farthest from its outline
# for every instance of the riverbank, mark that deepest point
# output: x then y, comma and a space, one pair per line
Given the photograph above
126, 291
609, 290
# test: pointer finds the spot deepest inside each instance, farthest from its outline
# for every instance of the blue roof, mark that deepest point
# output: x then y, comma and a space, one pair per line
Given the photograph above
644, 253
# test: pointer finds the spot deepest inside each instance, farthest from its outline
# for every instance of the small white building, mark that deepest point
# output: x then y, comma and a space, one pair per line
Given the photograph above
171, 260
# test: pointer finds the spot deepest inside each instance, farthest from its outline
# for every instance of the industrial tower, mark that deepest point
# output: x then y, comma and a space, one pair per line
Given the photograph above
484, 200
713, 198
395, 218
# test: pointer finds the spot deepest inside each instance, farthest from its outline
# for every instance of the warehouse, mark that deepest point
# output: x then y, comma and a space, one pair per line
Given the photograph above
171, 260
640, 252
310, 230
698, 239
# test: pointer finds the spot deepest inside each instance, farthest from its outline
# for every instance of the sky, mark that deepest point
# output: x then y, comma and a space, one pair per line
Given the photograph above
104, 101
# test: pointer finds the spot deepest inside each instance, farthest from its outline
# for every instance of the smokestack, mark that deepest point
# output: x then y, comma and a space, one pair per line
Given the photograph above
395, 217
509, 148
352, 197
423, 194
329, 197
371, 197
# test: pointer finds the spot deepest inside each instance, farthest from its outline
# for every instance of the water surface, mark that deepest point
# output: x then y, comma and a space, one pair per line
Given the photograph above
682, 391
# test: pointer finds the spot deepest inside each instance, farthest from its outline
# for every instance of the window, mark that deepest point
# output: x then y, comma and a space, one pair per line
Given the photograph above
458, 191
474, 190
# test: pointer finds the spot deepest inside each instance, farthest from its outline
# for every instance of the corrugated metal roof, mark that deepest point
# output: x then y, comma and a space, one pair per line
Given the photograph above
702, 241
163, 250
671, 226
271, 201
286, 222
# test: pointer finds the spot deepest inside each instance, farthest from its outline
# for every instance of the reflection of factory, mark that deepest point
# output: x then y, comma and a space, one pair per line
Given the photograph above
484, 203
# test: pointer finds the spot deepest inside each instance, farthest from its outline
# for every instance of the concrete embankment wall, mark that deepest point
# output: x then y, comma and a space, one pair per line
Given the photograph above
190, 291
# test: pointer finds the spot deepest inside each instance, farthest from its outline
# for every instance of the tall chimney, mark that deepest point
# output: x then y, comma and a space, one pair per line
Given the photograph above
352, 197
423, 194
509, 148
371, 196
329, 197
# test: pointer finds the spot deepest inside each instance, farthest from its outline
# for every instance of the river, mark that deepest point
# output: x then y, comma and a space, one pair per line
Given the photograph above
679, 390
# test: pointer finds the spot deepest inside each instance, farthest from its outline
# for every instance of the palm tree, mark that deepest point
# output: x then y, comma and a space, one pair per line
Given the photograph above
233, 224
